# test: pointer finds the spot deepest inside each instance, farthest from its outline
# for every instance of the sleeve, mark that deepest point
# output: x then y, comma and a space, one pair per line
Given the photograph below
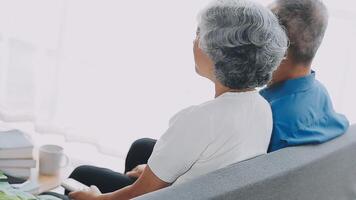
187, 137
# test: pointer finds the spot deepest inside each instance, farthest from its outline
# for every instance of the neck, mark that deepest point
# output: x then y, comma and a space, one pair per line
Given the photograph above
221, 89
288, 70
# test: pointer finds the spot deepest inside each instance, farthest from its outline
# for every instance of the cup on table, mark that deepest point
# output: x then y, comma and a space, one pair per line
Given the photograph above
52, 159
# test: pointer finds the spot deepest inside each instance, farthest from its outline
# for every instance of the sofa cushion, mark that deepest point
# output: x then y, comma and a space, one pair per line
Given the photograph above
323, 172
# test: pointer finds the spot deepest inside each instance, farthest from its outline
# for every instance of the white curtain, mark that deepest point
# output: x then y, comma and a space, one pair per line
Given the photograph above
107, 72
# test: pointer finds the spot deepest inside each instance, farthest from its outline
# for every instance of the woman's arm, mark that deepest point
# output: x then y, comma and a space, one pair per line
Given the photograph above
147, 182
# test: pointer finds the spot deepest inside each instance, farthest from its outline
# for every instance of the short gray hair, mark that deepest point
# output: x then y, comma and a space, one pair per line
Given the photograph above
306, 22
244, 40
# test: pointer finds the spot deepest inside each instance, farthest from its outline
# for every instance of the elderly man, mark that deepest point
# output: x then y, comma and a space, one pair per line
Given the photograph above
302, 109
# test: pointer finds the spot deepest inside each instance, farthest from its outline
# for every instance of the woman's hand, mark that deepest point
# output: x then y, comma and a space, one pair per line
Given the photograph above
147, 182
137, 171
93, 193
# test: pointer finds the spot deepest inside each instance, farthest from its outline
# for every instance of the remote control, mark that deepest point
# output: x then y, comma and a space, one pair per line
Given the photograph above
73, 185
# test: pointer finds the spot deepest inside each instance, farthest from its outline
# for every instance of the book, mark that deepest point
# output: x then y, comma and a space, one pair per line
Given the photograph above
14, 139
25, 153
15, 144
17, 172
17, 163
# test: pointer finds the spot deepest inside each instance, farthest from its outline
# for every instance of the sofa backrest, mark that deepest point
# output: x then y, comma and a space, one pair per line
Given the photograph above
312, 172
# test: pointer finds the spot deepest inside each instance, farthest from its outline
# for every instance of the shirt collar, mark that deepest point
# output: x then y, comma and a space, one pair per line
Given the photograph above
291, 86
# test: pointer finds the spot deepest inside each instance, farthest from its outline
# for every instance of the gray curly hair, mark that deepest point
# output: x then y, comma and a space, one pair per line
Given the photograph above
244, 40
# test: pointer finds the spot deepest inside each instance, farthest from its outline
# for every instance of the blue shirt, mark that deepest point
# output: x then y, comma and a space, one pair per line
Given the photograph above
302, 113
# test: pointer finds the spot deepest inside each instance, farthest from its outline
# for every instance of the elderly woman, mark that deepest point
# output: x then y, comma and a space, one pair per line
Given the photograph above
237, 46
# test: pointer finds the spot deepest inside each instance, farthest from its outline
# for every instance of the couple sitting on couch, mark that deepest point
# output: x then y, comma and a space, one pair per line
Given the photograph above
239, 46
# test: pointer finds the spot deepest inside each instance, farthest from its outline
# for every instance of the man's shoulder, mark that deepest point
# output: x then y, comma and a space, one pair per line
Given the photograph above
274, 96
296, 105
304, 117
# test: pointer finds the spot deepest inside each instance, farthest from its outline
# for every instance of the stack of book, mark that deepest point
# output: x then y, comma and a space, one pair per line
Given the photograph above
16, 154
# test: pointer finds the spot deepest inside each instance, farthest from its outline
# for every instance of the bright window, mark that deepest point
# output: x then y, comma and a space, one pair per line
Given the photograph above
107, 72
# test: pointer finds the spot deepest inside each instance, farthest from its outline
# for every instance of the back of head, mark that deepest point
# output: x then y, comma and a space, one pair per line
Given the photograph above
244, 40
306, 22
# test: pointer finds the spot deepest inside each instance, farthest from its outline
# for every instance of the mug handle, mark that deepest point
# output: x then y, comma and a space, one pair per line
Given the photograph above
66, 161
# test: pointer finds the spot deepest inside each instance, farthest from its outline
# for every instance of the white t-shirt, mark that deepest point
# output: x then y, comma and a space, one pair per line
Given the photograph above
201, 139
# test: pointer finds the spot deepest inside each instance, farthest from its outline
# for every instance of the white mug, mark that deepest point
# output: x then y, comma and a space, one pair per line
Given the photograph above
51, 159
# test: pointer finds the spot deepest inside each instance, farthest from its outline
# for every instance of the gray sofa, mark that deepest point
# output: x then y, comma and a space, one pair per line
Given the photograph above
314, 172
